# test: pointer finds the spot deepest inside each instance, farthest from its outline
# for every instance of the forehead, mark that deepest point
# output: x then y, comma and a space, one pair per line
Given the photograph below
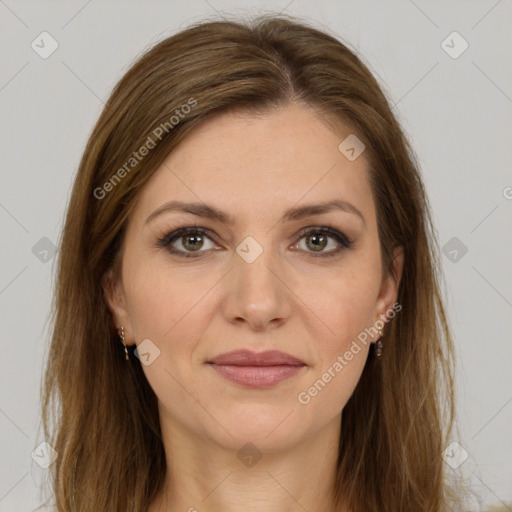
261, 164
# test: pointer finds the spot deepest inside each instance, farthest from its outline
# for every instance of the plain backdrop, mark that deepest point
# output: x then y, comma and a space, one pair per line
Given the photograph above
456, 108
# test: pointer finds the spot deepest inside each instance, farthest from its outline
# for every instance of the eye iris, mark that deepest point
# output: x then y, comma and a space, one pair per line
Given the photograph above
319, 243
196, 243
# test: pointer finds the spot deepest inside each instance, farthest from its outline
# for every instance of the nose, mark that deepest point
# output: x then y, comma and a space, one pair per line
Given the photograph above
257, 293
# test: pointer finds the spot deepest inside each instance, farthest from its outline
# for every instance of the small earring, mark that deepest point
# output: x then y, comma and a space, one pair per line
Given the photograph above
122, 341
378, 349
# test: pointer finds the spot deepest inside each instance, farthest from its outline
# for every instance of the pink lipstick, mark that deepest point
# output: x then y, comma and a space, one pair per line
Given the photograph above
256, 370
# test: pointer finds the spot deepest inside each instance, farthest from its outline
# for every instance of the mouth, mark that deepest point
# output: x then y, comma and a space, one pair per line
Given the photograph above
256, 370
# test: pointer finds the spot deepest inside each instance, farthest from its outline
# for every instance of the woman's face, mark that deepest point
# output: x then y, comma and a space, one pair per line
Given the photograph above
264, 277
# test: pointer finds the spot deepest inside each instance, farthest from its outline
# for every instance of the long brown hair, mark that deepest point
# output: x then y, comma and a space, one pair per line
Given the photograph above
101, 415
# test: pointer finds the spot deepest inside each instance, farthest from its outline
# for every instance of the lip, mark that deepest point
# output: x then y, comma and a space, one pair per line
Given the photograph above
256, 369
249, 358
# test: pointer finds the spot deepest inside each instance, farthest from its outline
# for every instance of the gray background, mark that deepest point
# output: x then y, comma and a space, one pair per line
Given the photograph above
457, 112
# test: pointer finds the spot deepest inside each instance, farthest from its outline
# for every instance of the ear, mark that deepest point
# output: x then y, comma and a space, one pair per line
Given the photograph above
388, 292
116, 302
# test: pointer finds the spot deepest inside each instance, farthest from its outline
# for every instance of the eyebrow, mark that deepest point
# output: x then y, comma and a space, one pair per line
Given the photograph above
295, 213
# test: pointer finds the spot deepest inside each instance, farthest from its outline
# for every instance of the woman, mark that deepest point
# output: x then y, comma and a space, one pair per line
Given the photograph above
247, 312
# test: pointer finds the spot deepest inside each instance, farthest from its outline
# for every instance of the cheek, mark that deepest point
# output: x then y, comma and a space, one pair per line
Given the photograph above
346, 307
343, 303
164, 301
343, 306
171, 308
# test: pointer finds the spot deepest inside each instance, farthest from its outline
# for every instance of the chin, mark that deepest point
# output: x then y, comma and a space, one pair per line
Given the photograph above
270, 428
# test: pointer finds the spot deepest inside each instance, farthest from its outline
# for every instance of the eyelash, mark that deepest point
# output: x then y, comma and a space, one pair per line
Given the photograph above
344, 241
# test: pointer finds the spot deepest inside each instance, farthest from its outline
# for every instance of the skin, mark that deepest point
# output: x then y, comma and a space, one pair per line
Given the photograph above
192, 309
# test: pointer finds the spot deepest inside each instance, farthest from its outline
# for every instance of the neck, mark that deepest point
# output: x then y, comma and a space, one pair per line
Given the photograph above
205, 476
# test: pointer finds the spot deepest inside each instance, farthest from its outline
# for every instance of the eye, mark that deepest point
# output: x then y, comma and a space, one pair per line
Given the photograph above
187, 241
319, 238
190, 242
